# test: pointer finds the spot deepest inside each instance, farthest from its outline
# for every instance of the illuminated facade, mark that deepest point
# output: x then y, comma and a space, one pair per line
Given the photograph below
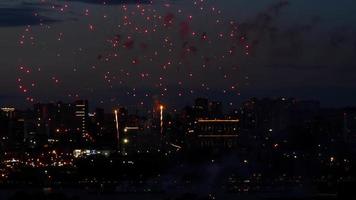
81, 113
217, 132
9, 112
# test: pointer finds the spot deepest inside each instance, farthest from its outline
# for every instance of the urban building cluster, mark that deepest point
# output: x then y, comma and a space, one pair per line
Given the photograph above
264, 145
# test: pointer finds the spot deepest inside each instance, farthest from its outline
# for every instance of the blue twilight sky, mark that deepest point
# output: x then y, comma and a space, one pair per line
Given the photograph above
301, 48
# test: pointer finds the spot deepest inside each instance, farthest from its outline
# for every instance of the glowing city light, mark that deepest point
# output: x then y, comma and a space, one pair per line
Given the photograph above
126, 141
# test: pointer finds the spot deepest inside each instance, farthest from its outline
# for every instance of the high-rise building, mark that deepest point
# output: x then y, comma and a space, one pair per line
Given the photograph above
65, 117
216, 133
8, 112
277, 115
215, 109
201, 108
349, 124
81, 114
44, 118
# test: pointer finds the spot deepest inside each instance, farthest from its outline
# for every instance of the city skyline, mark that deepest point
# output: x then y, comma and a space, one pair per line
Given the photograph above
177, 99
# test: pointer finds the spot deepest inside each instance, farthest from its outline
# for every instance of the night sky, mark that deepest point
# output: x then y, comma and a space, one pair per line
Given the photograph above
304, 49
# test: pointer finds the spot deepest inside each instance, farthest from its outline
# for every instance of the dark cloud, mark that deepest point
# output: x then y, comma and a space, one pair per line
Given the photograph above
22, 16
296, 45
286, 41
41, 6
293, 41
341, 37
264, 21
297, 67
329, 94
113, 2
